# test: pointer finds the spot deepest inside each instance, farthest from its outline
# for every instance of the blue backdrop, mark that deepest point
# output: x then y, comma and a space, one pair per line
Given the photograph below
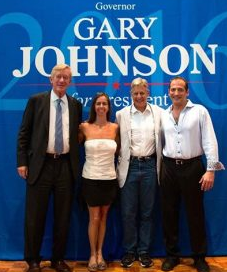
107, 44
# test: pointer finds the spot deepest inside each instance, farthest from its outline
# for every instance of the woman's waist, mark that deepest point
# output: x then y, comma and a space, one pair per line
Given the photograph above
97, 172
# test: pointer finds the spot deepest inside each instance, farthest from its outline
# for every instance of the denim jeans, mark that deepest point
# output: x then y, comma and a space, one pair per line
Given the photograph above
137, 201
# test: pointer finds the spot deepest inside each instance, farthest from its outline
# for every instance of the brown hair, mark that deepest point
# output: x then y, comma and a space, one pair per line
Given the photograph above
179, 77
92, 114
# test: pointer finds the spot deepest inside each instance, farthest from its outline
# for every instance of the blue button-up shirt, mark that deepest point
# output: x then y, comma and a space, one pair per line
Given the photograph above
192, 136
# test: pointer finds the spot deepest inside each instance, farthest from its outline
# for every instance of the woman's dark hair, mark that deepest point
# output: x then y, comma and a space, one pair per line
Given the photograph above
179, 77
92, 114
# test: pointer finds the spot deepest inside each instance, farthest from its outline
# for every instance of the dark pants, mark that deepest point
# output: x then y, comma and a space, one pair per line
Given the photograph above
56, 178
182, 182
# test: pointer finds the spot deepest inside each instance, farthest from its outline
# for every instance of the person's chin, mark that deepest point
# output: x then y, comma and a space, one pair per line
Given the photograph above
141, 104
61, 90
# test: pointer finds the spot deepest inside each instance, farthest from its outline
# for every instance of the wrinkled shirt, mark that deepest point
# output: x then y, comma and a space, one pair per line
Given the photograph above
142, 132
192, 136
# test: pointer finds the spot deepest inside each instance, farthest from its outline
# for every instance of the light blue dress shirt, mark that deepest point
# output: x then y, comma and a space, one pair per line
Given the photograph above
192, 136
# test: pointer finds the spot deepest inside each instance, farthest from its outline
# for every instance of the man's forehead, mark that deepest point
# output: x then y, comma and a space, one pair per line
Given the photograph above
63, 71
177, 83
139, 88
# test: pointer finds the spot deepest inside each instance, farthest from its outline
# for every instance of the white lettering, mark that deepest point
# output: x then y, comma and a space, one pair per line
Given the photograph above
84, 29
90, 60
144, 58
210, 65
101, 6
26, 62
90, 29
119, 102
159, 100
183, 59
105, 28
84, 100
40, 56
146, 28
121, 65
127, 29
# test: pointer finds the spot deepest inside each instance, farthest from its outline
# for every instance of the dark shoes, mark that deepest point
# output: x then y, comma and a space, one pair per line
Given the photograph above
201, 265
169, 263
145, 260
128, 260
33, 267
60, 266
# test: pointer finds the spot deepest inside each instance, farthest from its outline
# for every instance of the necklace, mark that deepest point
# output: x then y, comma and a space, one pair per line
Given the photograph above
101, 125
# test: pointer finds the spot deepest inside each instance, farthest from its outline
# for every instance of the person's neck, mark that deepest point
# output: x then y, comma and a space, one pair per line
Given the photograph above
179, 107
141, 109
101, 122
59, 94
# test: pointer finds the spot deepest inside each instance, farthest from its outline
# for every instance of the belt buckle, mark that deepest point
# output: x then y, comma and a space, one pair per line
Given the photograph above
179, 162
140, 158
56, 156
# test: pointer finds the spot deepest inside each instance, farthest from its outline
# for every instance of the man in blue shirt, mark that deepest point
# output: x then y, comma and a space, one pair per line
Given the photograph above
187, 134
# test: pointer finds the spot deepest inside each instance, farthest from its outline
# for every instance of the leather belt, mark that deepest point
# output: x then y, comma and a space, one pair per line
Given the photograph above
142, 158
181, 161
57, 156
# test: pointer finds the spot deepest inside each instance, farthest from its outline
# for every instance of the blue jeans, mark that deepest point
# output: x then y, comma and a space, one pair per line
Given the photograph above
137, 202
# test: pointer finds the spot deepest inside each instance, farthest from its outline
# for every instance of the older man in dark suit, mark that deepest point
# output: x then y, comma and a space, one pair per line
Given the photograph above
48, 158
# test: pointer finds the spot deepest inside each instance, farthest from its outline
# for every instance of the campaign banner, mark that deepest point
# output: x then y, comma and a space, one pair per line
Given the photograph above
107, 44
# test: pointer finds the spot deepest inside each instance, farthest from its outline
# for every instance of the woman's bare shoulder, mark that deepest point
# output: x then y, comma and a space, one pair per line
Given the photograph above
84, 124
114, 125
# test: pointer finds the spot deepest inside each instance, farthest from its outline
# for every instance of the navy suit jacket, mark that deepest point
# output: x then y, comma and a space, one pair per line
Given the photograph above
34, 132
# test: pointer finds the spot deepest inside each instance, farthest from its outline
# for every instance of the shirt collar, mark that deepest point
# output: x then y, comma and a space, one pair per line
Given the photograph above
54, 97
134, 109
188, 105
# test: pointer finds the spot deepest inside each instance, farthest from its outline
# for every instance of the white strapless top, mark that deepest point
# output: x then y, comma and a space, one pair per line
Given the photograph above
99, 162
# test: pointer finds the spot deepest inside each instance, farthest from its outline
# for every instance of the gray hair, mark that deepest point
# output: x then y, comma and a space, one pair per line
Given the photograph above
139, 82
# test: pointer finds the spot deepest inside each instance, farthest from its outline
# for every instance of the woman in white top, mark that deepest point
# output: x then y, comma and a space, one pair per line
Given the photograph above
99, 184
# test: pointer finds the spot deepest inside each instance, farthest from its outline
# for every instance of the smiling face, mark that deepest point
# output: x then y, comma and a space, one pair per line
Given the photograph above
60, 80
139, 96
178, 92
101, 106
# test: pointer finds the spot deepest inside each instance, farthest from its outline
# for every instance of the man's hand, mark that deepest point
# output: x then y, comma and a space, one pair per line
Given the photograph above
207, 181
23, 171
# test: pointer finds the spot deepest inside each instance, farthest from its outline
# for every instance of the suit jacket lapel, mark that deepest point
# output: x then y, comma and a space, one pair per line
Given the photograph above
127, 121
71, 113
156, 120
46, 111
